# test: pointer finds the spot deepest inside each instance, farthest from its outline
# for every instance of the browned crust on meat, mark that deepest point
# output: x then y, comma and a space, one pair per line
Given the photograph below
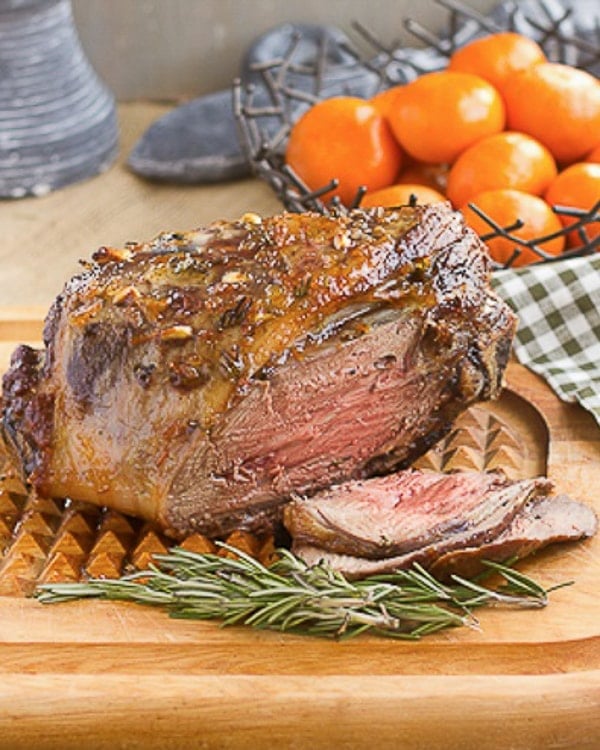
28, 422
200, 317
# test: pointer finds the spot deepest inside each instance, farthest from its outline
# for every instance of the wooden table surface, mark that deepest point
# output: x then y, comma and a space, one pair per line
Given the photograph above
42, 239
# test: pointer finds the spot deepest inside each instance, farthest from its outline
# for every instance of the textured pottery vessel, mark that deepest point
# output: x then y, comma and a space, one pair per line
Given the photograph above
58, 122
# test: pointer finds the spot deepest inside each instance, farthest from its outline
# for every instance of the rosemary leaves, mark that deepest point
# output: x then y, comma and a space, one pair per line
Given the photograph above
291, 596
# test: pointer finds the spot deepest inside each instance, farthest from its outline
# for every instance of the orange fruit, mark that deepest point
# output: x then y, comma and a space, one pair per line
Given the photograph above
399, 195
384, 100
505, 207
557, 104
344, 138
497, 56
578, 186
438, 115
594, 155
432, 175
503, 160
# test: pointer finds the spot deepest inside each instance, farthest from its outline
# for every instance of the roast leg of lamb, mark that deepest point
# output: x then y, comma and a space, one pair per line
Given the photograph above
447, 523
201, 379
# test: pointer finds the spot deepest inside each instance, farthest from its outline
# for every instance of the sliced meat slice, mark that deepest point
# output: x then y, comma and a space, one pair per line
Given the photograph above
408, 511
540, 523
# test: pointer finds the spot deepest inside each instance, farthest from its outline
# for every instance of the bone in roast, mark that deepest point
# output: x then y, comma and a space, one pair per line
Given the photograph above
202, 379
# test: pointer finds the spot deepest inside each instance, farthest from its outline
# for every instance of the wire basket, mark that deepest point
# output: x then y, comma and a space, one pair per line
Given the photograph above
284, 87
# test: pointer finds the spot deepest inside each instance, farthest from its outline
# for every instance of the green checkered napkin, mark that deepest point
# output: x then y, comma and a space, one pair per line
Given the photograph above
558, 337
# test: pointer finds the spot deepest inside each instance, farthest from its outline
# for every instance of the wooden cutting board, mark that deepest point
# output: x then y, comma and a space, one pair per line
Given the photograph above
105, 675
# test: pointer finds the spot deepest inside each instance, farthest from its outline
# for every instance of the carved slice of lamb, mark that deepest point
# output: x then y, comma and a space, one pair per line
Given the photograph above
544, 521
201, 379
447, 523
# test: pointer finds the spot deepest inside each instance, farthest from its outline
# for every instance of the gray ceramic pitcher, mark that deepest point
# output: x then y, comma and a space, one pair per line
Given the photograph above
58, 122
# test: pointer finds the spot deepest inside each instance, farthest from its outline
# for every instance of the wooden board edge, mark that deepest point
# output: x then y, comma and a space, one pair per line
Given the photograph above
523, 713
231, 658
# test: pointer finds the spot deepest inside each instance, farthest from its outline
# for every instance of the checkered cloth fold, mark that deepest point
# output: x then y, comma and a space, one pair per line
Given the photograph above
558, 337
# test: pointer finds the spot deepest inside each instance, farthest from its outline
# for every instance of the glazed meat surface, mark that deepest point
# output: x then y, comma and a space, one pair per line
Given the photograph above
201, 379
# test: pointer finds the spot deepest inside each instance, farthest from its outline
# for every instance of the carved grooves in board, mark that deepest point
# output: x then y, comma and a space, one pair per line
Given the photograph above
45, 540
480, 441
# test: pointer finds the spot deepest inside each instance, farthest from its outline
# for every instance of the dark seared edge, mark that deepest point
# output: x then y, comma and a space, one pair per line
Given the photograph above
27, 412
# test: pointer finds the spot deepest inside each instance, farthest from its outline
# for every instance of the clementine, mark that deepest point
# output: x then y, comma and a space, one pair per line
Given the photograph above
400, 195
505, 207
557, 104
503, 160
347, 139
384, 100
594, 155
578, 186
418, 173
497, 56
439, 115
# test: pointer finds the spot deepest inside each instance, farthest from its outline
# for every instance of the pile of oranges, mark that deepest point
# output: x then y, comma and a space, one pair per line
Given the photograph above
501, 129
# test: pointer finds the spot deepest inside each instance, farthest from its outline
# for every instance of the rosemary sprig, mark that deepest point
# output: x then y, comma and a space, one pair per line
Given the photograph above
294, 597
